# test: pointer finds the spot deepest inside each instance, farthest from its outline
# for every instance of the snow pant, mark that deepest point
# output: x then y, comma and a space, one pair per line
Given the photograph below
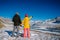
14, 29
26, 32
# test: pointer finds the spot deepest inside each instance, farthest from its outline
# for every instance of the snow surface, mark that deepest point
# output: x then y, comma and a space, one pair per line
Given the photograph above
35, 35
5, 36
38, 32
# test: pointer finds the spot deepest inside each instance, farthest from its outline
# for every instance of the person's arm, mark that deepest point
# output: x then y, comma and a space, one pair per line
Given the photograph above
22, 22
30, 17
13, 19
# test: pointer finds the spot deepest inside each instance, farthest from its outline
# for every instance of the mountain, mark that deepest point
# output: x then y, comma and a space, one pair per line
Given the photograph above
49, 23
1, 25
57, 20
5, 20
6, 23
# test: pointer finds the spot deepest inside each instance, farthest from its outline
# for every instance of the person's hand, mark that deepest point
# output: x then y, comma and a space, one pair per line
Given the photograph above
20, 25
31, 16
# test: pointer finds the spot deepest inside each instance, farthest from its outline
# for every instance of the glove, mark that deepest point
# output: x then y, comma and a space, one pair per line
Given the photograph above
20, 24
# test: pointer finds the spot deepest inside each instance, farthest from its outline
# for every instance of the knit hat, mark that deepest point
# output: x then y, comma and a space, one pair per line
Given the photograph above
17, 13
26, 15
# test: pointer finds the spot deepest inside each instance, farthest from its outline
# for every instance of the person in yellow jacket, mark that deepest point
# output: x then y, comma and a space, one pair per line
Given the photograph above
26, 23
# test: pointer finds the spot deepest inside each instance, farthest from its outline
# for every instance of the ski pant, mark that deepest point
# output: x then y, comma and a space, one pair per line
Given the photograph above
14, 29
26, 32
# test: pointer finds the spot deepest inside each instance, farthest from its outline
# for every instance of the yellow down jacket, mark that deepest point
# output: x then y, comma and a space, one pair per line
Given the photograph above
26, 22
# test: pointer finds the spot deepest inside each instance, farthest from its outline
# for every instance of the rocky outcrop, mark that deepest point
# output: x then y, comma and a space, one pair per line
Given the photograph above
1, 25
57, 18
6, 21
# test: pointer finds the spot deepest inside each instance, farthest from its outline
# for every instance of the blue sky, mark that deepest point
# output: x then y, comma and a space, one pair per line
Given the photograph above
39, 9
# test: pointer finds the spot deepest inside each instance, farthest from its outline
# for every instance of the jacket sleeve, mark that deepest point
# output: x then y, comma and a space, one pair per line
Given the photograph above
23, 21
13, 19
20, 21
30, 17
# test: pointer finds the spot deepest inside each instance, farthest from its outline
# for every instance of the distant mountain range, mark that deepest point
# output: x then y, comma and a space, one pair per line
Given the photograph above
49, 23
57, 20
5, 21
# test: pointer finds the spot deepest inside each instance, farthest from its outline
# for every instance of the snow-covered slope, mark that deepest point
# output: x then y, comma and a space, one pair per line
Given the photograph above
49, 23
35, 35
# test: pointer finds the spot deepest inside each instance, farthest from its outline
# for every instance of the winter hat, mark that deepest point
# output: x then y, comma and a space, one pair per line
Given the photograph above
26, 15
17, 13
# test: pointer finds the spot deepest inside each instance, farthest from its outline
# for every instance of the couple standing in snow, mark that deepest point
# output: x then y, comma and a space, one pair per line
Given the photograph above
25, 22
